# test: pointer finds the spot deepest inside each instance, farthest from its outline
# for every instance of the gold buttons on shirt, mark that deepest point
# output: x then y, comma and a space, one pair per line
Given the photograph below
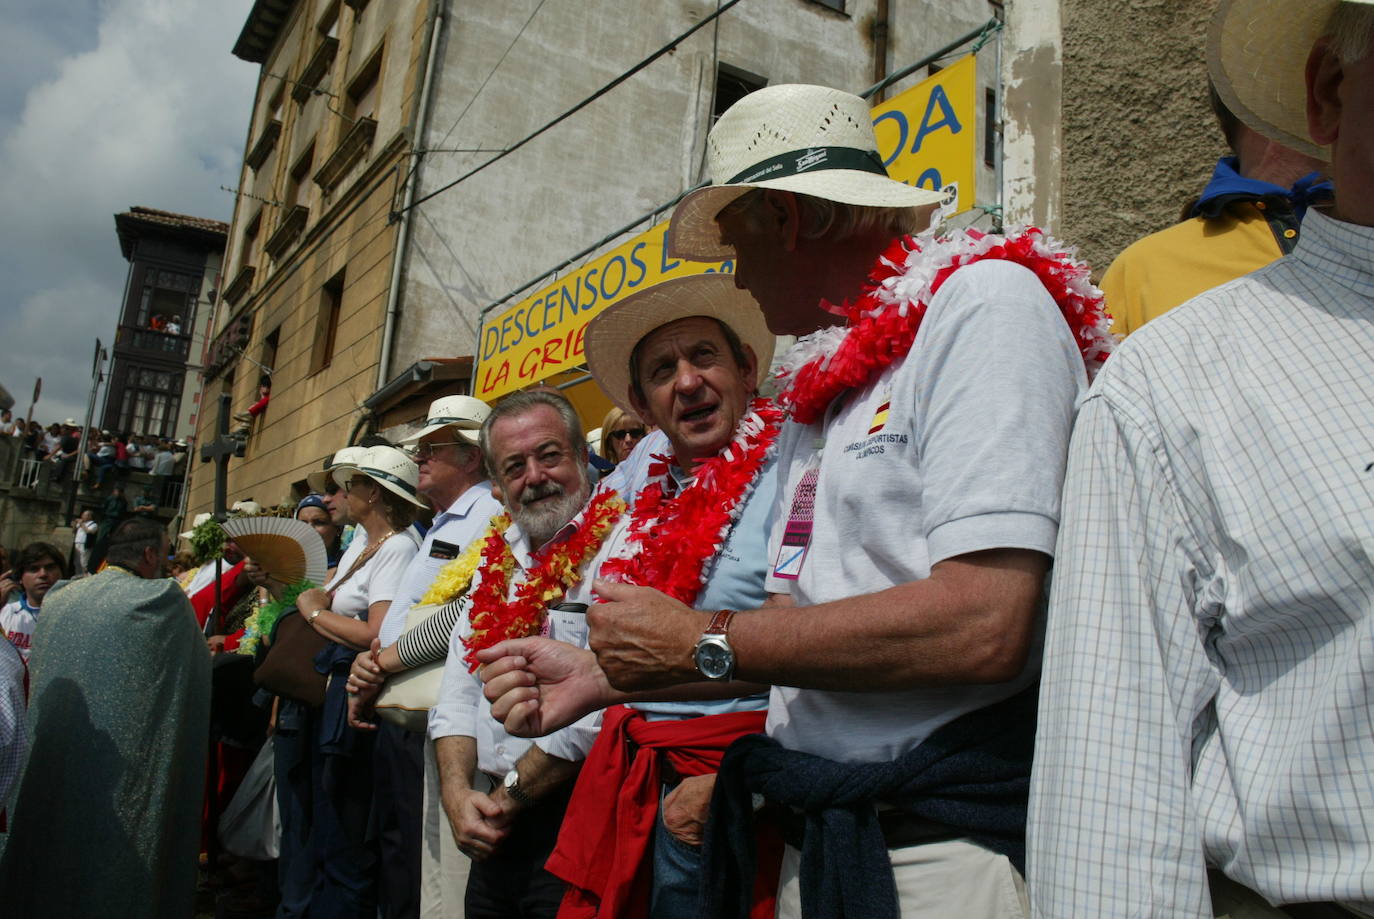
1289, 234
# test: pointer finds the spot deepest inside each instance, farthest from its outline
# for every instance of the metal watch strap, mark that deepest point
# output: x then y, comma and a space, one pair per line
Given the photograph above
517, 794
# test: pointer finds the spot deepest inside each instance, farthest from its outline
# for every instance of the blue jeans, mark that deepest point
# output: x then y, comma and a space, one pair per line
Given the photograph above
677, 873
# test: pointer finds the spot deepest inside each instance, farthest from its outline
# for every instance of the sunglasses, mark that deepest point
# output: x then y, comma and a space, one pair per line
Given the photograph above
627, 432
426, 451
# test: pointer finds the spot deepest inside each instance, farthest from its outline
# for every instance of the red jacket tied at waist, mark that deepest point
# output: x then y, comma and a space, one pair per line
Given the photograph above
604, 846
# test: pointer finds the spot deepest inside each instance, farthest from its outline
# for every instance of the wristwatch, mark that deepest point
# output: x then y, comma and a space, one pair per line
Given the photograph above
512, 785
714, 657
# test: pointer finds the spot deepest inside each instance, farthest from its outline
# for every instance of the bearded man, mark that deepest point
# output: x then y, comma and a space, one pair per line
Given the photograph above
529, 580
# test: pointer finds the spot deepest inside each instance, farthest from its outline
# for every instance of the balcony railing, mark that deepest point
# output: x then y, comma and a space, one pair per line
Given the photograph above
163, 344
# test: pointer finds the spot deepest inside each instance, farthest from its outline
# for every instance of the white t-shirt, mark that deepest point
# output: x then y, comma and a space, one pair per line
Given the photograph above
84, 530
18, 620
959, 447
376, 581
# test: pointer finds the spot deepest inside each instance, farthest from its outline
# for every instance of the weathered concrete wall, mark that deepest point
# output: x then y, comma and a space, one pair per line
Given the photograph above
1139, 138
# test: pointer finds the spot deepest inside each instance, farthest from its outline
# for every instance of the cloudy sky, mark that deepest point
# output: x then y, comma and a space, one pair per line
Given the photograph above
104, 104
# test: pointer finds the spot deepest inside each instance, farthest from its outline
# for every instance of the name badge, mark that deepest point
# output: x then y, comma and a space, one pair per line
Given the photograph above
796, 536
567, 622
444, 551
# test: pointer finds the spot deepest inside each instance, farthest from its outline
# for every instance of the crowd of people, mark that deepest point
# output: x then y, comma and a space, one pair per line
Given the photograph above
974, 609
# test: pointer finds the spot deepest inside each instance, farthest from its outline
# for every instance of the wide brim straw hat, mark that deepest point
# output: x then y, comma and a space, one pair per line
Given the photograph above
1257, 57
611, 337
811, 140
388, 467
319, 479
462, 413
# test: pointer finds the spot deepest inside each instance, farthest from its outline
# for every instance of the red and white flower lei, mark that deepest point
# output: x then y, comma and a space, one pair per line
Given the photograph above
493, 617
882, 322
672, 541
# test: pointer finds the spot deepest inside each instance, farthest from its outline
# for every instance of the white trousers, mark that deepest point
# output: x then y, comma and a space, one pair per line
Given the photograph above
443, 869
936, 880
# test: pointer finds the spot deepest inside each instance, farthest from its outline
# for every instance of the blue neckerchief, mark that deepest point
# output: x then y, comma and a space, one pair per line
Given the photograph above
1228, 184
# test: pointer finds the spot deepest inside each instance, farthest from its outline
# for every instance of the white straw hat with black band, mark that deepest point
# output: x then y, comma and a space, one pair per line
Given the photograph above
389, 468
1257, 58
462, 413
611, 337
320, 478
811, 140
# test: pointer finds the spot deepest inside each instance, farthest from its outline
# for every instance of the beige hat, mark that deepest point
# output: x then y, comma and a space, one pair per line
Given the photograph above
321, 478
611, 337
1257, 55
806, 139
463, 413
389, 468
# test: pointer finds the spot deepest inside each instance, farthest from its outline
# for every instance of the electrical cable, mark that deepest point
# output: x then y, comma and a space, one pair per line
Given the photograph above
671, 46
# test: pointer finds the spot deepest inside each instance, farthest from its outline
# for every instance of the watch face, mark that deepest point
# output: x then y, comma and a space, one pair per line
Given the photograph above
713, 660
511, 779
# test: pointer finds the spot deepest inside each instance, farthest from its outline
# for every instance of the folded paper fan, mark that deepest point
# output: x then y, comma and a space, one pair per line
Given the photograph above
289, 550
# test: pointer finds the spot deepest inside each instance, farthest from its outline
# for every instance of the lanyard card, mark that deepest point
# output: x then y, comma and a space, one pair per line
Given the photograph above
796, 536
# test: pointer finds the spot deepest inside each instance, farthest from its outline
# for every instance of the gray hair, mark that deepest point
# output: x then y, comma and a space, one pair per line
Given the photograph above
518, 404
1352, 31
835, 220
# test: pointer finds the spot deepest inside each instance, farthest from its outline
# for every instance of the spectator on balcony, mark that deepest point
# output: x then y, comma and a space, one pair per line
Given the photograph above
121, 445
164, 465
158, 323
68, 450
173, 326
102, 456
7, 428
52, 439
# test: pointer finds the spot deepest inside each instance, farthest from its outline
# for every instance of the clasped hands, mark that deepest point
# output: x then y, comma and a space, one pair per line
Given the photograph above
640, 639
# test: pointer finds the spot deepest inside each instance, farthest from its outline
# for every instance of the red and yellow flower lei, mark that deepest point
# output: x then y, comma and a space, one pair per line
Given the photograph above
672, 540
493, 617
883, 321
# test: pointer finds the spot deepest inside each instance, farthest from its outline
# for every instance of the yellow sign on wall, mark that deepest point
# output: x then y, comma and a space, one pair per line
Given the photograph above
926, 137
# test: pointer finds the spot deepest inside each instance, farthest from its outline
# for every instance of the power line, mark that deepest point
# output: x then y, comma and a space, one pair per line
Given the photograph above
671, 46
979, 35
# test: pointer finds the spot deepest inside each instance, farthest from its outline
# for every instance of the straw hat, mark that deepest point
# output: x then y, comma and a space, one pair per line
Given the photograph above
389, 468
321, 478
611, 337
1257, 54
806, 139
463, 413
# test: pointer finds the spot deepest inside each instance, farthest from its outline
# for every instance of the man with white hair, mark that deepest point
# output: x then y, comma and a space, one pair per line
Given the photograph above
1205, 744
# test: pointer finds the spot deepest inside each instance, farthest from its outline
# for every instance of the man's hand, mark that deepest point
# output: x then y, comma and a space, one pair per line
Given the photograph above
7, 586
366, 673
686, 807
254, 573
479, 824
644, 639
538, 685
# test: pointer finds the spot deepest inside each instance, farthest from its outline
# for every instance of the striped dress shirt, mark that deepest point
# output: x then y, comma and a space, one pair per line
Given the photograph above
1208, 687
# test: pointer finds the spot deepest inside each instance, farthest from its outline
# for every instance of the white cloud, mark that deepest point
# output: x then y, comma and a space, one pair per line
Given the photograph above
154, 114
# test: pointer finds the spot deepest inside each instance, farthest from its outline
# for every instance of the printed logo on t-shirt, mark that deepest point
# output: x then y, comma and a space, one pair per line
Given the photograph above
878, 438
796, 537
880, 417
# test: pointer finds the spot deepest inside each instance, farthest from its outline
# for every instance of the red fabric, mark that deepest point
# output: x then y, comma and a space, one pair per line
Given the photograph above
231, 642
604, 846
260, 406
203, 600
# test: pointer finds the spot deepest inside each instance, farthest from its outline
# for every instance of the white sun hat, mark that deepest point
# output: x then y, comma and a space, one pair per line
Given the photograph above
248, 508
1257, 55
611, 337
197, 521
388, 467
320, 479
812, 140
462, 413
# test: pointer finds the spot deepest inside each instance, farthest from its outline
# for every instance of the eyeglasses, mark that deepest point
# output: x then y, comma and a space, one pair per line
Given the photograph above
331, 488
627, 432
422, 452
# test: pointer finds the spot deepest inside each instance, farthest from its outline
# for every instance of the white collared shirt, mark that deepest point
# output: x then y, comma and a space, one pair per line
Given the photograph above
465, 519
462, 710
1208, 686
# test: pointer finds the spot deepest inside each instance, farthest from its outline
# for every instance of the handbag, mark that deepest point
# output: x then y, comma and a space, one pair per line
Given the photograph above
250, 826
289, 667
288, 670
406, 698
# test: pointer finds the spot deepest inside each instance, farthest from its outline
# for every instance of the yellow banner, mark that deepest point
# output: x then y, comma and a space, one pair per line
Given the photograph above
926, 137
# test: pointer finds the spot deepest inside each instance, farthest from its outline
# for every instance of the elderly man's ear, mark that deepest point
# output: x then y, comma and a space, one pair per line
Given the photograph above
1325, 74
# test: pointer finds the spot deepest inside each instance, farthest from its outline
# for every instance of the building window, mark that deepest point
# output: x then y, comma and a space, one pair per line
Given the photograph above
167, 297
297, 180
362, 90
837, 5
150, 402
250, 239
732, 85
327, 323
